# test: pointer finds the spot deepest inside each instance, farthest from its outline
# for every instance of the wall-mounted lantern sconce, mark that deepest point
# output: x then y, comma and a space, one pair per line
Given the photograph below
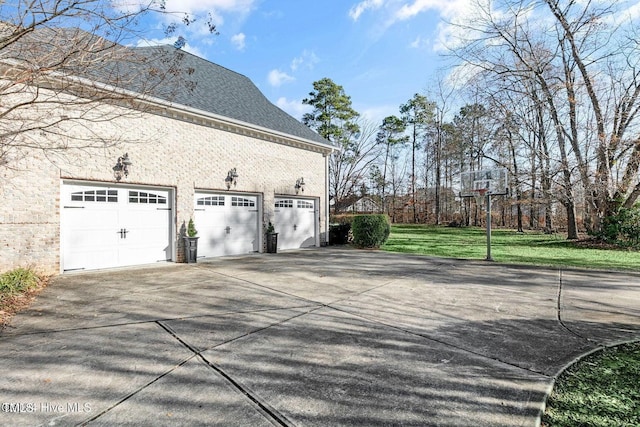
231, 179
299, 185
122, 167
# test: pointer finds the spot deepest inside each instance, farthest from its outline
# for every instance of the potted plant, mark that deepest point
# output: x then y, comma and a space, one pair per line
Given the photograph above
191, 243
272, 239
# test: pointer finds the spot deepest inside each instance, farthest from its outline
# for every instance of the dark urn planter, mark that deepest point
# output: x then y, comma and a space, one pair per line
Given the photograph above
272, 243
191, 249
339, 234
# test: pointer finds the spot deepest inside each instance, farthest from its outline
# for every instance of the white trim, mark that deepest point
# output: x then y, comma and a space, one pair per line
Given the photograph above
194, 114
171, 199
259, 206
316, 211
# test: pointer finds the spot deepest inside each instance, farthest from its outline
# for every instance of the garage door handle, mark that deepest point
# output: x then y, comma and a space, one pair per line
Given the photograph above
295, 227
123, 233
228, 230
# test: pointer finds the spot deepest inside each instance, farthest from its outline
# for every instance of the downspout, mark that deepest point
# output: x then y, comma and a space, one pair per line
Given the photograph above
326, 197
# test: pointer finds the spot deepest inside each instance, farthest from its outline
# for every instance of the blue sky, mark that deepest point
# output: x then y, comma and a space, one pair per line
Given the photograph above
380, 51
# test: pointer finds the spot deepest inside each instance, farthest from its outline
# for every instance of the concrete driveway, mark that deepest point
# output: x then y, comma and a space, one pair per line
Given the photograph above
326, 337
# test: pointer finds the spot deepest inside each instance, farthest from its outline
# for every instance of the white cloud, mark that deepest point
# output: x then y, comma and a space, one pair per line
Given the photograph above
452, 13
634, 12
363, 6
278, 78
627, 13
194, 51
409, 11
375, 114
295, 108
202, 10
462, 75
170, 41
391, 12
307, 60
238, 40
419, 43
235, 6
155, 42
449, 9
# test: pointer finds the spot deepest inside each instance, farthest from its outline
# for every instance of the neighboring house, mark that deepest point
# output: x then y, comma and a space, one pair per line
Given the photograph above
215, 150
364, 204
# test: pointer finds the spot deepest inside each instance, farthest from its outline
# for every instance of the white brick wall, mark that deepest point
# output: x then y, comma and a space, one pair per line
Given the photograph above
165, 152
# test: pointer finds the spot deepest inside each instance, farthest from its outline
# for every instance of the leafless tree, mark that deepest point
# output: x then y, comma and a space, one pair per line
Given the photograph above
583, 59
350, 168
65, 67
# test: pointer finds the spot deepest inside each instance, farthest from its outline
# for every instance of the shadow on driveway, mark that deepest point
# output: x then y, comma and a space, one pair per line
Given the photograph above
314, 337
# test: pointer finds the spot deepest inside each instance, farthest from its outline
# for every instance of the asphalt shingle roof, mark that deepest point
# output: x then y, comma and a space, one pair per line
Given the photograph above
216, 89
163, 72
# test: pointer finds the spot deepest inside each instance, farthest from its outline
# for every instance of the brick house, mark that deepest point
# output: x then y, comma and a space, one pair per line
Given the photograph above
215, 150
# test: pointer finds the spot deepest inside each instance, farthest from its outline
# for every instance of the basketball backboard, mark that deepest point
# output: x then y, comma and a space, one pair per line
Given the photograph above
493, 180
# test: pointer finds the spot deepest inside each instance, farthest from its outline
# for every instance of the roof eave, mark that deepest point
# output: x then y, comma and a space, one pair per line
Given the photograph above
190, 114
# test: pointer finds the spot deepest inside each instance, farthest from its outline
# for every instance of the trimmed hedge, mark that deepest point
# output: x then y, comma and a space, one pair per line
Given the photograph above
370, 231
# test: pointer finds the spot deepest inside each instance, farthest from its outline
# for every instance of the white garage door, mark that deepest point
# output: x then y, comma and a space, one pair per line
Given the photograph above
227, 224
295, 222
103, 226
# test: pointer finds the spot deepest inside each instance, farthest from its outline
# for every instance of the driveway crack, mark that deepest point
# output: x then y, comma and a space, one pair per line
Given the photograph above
559, 311
443, 342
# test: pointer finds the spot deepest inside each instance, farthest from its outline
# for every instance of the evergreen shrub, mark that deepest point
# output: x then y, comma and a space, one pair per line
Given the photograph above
370, 231
623, 227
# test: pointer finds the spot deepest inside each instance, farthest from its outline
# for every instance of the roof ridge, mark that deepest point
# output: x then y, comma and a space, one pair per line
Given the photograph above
174, 75
171, 47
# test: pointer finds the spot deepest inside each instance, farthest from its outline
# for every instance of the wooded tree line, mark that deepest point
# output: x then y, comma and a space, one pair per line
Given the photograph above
548, 89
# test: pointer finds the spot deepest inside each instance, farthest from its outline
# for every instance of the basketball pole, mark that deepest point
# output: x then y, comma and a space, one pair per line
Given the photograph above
488, 227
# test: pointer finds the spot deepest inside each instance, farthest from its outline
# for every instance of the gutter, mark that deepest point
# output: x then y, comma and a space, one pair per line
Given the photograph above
326, 196
222, 122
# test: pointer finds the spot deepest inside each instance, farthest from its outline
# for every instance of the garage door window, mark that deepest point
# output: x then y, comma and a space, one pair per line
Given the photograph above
109, 196
288, 203
304, 204
150, 198
241, 201
211, 201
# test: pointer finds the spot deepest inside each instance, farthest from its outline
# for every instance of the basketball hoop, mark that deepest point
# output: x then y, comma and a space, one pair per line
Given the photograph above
479, 194
481, 185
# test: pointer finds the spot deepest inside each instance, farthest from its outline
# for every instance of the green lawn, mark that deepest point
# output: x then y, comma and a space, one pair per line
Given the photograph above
507, 246
599, 391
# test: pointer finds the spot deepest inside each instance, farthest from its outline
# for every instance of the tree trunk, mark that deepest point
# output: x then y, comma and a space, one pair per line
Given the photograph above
572, 223
438, 171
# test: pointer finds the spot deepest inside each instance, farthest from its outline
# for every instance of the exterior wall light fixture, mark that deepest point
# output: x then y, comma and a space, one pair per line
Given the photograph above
231, 179
122, 167
299, 185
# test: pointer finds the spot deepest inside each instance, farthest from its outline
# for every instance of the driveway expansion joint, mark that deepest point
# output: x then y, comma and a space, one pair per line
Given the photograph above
265, 409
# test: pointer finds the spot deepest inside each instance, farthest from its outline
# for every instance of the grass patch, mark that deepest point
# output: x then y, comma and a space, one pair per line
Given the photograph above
17, 289
599, 391
507, 246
